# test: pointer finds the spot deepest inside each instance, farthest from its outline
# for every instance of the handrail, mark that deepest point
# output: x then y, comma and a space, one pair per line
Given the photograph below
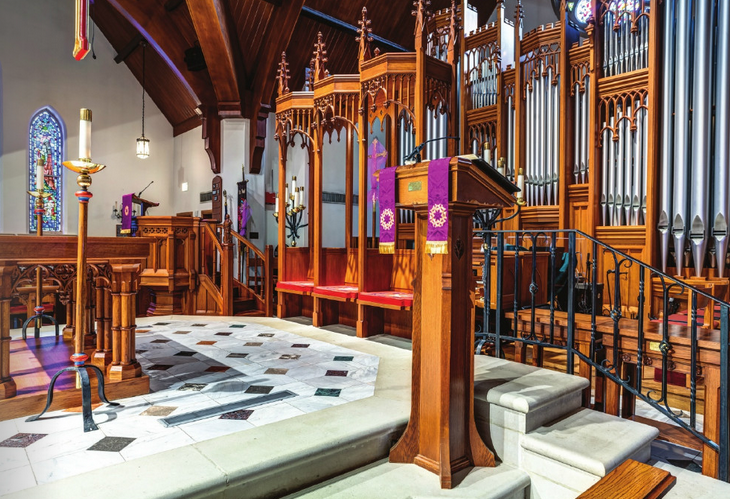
568, 321
248, 244
213, 235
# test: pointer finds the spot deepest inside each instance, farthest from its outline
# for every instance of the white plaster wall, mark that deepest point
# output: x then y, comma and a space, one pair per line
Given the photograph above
190, 164
537, 13
36, 40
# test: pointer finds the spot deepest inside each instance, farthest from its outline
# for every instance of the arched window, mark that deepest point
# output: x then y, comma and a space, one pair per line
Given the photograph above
45, 147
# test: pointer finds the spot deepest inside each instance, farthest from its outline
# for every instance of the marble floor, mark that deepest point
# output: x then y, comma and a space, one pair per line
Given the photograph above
193, 366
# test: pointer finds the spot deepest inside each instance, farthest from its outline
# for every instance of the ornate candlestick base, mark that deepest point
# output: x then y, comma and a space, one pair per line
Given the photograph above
38, 318
80, 369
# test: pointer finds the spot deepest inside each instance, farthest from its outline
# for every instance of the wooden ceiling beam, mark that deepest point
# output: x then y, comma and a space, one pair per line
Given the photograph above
340, 25
211, 25
149, 19
129, 48
275, 41
171, 5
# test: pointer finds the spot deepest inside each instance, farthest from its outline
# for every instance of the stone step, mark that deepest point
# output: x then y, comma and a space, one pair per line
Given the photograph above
384, 480
512, 399
566, 457
691, 485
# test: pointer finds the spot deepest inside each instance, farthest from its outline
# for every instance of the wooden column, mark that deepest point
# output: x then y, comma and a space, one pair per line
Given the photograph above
710, 458
102, 356
227, 268
7, 385
318, 314
362, 212
280, 306
349, 189
125, 281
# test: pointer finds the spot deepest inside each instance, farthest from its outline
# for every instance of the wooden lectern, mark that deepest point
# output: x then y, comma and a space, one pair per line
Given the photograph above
441, 435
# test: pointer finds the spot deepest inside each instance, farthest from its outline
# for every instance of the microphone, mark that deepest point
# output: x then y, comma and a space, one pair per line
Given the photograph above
140, 192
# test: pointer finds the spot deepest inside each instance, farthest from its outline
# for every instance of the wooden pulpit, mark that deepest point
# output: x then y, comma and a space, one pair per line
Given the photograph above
441, 435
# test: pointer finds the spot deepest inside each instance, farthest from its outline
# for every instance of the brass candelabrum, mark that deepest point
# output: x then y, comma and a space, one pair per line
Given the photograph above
85, 168
294, 211
37, 319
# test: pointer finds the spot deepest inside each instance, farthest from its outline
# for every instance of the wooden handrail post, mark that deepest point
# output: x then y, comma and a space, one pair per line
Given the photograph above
227, 267
269, 280
125, 283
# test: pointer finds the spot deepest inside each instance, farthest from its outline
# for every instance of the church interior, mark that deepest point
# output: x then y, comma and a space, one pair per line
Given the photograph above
375, 249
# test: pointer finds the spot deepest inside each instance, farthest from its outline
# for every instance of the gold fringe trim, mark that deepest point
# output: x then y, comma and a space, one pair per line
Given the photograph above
437, 247
386, 248
125, 231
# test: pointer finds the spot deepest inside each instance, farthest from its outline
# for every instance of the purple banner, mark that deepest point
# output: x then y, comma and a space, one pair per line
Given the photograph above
127, 213
387, 211
377, 159
437, 236
244, 214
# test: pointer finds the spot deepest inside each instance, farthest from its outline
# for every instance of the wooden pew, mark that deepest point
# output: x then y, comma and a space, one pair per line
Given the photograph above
295, 290
384, 305
334, 298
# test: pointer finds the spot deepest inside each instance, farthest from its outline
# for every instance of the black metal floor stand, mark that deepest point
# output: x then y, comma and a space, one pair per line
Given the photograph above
89, 424
38, 317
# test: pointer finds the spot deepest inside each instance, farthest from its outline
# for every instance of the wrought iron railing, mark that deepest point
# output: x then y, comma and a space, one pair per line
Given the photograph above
614, 338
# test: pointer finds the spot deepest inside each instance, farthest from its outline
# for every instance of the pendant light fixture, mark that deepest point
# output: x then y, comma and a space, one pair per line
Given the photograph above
143, 143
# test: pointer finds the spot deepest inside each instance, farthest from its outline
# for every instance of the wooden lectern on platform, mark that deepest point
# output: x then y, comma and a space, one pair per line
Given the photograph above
441, 435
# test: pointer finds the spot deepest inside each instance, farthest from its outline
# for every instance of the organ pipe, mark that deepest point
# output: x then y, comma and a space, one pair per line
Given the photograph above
722, 137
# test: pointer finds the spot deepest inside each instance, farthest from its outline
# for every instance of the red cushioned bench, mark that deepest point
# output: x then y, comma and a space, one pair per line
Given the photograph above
397, 300
344, 292
296, 287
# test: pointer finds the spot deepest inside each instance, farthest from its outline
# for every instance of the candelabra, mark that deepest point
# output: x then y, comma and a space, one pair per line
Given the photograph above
294, 211
85, 168
40, 194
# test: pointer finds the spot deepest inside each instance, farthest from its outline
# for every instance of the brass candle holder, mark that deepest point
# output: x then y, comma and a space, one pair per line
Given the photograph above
37, 319
85, 168
294, 213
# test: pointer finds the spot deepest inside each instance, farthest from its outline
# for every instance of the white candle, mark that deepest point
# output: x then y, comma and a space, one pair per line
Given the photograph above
294, 184
276, 206
85, 134
39, 176
301, 199
286, 194
520, 184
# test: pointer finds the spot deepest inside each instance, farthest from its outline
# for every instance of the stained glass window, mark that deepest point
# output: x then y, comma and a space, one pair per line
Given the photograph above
45, 147
583, 11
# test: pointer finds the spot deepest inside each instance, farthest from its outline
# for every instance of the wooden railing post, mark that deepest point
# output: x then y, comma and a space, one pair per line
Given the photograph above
269, 280
7, 385
125, 282
227, 268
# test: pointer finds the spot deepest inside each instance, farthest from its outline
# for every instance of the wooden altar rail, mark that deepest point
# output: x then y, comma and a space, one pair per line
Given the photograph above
619, 401
114, 265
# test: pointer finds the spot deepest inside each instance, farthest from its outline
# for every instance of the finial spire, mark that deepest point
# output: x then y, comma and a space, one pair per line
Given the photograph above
283, 75
364, 37
320, 59
422, 14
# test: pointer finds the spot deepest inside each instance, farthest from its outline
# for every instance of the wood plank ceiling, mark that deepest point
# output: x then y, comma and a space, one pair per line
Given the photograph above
242, 42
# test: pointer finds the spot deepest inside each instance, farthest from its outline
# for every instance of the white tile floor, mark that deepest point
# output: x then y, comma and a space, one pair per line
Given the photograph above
173, 360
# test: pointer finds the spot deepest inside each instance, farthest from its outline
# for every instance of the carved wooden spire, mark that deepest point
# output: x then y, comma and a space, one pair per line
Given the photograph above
422, 15
283, 75
365, 37
320, 59
454, 28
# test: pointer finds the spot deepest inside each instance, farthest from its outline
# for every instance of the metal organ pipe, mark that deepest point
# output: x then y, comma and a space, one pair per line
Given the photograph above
681, 130
665, 183
556, 138
606, 145
722, 137
578, 134
585, 98
701, 127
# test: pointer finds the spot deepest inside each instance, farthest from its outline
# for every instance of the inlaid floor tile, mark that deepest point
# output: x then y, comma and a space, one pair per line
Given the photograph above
23, 440
185, 353
192, 387
159, 410
276, 370
253, 344
223, 334
235, 355
199, 325
343, 358
266, 335
111, 444
287, 356
142, 331
327, 392
237, 326
336, 373
159, 367
161, 341
207, 342
240, 415
259, 389
181, 332
300, 345
161, 324
217, 369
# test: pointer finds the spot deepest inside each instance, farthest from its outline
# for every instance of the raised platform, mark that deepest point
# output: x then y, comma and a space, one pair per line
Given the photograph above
32, 365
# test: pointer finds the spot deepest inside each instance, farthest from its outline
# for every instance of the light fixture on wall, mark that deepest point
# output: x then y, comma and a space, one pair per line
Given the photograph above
143, 143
